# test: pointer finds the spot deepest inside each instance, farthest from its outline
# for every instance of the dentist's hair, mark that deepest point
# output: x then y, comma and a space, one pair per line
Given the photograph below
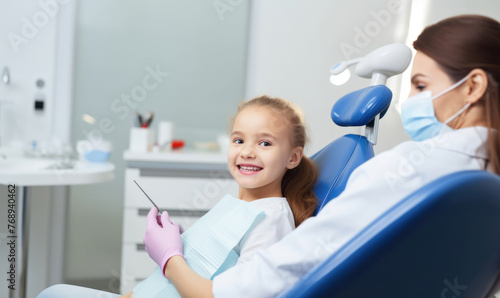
460, 44
297, 184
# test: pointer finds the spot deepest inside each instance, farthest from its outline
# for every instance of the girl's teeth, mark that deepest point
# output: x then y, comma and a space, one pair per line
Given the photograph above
250, 169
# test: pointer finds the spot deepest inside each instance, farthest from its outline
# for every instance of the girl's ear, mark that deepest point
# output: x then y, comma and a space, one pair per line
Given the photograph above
295, 157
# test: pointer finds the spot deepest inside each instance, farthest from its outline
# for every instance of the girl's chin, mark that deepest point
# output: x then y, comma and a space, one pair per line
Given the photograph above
244, 183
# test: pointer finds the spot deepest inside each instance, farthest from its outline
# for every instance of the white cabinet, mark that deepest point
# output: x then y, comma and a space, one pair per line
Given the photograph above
186, 185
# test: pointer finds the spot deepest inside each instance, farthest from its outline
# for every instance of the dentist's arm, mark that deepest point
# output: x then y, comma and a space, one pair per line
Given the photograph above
187, 282
163, 244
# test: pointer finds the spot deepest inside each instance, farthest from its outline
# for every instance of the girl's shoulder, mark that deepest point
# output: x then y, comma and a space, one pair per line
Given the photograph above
277, 210
272, 203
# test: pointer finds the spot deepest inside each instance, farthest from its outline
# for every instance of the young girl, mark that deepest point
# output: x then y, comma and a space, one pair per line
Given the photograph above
266, 155
266, 159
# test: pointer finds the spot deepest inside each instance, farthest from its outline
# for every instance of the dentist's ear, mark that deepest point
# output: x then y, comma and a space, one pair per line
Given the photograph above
476, 85
295, 157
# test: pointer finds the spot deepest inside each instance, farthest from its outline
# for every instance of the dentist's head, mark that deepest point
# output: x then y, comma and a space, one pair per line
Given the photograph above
456, 70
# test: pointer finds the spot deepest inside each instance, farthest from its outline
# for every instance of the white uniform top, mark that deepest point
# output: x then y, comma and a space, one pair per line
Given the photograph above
274, 226
372, 189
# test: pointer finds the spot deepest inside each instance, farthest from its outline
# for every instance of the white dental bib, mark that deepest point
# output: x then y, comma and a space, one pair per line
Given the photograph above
209, 244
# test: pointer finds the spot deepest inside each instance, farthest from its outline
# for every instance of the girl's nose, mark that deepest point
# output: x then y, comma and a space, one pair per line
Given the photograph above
247, 152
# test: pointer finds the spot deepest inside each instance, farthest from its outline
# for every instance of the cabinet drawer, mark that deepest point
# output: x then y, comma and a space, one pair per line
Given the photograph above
185, 193
136, 266
134, 222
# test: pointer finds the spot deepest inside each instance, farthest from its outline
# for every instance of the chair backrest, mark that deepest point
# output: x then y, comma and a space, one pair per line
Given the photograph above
441, 241
335, 164
336, 161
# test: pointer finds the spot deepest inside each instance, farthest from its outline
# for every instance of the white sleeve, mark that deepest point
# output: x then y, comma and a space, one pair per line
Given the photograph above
273, 227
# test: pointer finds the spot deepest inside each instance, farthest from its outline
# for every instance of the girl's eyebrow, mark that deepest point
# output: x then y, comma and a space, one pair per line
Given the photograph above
236, 133
267, 135
259, 135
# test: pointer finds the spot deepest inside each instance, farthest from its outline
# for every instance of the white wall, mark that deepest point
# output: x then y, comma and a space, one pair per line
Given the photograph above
294, 43
438, 10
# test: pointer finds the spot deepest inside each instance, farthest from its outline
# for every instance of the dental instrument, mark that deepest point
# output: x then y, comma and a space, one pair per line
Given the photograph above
148, 197
143, 122
147, 122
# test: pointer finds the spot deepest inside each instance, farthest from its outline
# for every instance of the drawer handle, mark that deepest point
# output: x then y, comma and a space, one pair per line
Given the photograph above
140, 247
176, 212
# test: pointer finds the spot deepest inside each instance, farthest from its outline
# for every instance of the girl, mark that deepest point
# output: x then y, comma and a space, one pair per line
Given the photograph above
266, 159
266, 155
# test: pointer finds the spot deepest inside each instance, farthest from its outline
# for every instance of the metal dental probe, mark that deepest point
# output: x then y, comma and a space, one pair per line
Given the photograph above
148, 197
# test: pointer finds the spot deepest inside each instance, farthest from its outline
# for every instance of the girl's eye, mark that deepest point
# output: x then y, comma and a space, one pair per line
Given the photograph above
265, 143
238, 141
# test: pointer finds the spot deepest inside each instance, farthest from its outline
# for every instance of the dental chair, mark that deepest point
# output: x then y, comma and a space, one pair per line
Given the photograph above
441, 241
363, 107
336, 161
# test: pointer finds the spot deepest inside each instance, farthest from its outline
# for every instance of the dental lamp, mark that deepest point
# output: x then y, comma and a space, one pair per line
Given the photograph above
379, 65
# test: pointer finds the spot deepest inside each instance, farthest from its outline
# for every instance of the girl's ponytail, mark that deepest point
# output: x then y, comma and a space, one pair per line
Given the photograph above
297, 188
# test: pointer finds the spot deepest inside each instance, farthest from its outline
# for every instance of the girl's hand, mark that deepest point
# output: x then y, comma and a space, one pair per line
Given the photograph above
162, 239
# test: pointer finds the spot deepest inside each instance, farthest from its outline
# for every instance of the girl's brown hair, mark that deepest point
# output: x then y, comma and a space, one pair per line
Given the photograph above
459, 45
297, 184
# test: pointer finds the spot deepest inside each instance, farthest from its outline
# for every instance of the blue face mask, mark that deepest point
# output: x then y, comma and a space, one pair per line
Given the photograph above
419, 120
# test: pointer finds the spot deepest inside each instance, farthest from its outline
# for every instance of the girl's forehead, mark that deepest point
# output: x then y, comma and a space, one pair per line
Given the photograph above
262, 111
261, 117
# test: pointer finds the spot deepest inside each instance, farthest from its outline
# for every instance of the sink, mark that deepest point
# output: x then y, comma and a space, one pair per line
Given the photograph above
23, 166
25, 171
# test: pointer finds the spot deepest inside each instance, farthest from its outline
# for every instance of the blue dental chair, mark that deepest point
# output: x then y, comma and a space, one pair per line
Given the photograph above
359, 108
441, 241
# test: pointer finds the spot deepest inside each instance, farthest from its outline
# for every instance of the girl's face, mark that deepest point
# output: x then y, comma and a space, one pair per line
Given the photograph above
427, 75
260, 151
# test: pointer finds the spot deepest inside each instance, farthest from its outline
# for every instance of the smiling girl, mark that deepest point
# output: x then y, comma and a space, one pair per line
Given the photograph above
266, 155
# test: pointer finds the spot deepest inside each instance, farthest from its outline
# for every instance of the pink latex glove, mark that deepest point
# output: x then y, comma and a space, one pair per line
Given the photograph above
162, 239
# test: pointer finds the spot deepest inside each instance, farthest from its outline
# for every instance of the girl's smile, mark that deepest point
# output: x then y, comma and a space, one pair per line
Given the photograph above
249, 169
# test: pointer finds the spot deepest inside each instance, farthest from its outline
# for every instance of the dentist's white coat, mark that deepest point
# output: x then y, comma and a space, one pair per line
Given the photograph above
373, 188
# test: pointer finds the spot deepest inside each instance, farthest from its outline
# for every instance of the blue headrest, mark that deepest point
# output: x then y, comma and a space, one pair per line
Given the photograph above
358, 108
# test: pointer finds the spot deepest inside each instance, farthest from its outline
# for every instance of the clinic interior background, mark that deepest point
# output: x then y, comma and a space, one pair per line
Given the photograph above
216, 53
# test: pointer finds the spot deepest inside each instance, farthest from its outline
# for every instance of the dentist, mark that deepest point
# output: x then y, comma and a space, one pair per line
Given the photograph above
453, 117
